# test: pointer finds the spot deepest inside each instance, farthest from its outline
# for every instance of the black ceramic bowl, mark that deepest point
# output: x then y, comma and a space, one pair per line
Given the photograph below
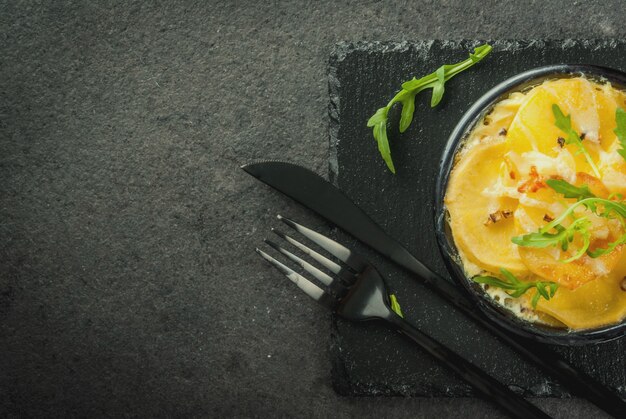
474, 115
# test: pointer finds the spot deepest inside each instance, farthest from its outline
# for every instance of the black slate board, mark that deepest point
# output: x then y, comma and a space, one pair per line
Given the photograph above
367, 358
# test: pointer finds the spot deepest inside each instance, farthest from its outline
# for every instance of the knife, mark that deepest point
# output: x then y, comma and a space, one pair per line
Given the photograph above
319, 195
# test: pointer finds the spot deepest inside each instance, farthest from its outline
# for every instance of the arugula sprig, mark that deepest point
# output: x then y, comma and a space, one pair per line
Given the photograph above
610, 247
562, 236
395, 305
620, 131
564, 123
570, 191
609, 208
406, 96
516, 288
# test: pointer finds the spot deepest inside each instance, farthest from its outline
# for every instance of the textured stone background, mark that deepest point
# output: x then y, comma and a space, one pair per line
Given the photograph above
128, 284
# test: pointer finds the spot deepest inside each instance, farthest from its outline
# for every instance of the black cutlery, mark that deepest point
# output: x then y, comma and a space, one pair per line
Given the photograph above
317, 194
357, 292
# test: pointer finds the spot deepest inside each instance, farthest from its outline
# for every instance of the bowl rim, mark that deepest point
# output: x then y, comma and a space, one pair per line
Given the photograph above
476, 112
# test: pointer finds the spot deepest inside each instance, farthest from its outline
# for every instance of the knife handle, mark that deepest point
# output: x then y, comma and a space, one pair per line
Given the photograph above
578, 382
514, 405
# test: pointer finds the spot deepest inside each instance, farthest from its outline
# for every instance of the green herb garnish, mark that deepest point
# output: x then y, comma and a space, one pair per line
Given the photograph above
609, 208
563, 237
555, 234
395, 306
611, 246
620, 131
564, 123
570, 191
406, 96
516, 288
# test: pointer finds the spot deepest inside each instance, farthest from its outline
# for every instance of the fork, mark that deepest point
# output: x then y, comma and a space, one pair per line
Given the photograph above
356, 291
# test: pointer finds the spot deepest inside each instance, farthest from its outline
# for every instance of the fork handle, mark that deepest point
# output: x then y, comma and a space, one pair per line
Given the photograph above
490, 388
577, 381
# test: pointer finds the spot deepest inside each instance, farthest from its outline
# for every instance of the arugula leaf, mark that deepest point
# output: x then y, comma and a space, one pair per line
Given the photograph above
545, 290
516, 288
379, 124
588, 199
564, 123
619, 208
406, 96
620, 131
496, 282
611, 206
438, 87
395, 306
563, 237
610, 247
408, 107
570, 191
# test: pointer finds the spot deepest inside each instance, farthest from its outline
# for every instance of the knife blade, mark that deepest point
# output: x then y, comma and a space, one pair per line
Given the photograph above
319, 195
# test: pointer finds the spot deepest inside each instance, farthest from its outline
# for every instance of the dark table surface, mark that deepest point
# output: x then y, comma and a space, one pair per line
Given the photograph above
128, 284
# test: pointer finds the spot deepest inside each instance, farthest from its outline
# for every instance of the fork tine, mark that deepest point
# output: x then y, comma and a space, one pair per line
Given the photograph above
317, 274
322, 260
338, 250
304, 284
335, 268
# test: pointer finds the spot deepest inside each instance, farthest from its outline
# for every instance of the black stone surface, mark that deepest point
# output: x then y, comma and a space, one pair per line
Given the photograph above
369, 360
128, 282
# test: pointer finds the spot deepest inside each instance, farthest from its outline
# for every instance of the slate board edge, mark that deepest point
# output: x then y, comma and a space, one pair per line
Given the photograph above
340, 377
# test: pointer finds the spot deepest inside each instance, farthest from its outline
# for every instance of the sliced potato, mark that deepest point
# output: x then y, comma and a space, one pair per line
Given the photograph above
488, 246
611, 165
606, 104
593, 304
534, 125
572, 275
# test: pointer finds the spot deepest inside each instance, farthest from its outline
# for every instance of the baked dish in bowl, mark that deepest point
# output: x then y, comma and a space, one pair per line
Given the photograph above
531, 203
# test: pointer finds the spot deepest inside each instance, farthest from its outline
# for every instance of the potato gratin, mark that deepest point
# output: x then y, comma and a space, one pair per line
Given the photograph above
536, 204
